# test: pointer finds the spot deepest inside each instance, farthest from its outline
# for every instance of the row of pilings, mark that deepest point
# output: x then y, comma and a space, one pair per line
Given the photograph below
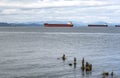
86, 66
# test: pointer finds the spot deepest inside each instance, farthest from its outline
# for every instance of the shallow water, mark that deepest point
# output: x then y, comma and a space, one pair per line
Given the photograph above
29, 52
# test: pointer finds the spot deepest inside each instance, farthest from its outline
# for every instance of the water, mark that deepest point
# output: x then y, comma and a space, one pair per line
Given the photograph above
32, 52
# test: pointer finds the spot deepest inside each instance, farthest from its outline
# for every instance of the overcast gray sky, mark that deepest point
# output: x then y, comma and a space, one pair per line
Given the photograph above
60, 10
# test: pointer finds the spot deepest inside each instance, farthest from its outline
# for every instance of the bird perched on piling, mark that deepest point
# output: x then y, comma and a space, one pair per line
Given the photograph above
75, 61
82, 67
63, 57
87, 67
112, 73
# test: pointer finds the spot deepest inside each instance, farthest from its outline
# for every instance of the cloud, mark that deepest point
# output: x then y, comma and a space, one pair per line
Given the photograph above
48, 3
82, 10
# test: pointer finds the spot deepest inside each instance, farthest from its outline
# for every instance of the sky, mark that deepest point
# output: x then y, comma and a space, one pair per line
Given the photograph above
59, 10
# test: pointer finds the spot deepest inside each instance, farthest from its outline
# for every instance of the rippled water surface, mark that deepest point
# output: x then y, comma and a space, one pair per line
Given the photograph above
33, 52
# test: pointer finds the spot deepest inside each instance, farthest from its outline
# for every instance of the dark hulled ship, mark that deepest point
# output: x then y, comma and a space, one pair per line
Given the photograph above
93, 25
117, 25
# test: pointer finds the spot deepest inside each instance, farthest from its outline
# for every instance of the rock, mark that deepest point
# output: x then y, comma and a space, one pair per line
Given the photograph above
70, 64
105, 73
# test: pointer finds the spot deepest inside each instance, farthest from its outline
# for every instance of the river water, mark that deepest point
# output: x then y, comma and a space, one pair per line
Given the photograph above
33, 52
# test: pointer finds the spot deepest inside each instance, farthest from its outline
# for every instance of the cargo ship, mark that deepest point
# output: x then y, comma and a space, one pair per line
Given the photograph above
58, 25
117, 25
97, 25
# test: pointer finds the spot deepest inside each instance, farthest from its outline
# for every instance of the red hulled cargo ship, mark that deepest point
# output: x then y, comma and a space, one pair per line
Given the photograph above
58, 25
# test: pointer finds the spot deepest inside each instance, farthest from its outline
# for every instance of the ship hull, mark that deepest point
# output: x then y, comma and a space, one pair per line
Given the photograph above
97, 25
57, 25
117, 25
